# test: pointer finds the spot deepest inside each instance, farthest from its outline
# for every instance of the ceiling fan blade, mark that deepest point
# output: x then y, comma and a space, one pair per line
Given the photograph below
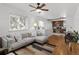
32, 6
33, 10
42, 5
44, 9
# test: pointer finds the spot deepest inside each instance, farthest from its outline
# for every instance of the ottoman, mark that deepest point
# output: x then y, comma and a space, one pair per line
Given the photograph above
41, 39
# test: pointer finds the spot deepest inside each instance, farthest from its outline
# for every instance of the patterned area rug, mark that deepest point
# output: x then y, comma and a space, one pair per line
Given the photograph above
29, 50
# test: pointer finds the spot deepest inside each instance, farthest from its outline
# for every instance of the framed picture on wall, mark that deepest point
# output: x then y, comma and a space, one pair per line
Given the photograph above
16, 23
58, 26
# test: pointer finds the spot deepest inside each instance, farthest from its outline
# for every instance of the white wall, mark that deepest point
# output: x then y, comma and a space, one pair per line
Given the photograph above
69, 24
47, 24
76, 20
6, 11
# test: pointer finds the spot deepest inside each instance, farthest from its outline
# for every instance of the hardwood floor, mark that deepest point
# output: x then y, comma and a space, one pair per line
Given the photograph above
74, 49
30, 50
61, 47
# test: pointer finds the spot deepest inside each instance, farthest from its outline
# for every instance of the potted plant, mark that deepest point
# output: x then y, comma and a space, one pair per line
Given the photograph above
75, 36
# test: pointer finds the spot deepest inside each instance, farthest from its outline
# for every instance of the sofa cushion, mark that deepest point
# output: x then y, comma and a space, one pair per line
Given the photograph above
9, 36
29, 39
25, 35
21, 43
10, 40
16, 45
15, 39
41, 39
18, 37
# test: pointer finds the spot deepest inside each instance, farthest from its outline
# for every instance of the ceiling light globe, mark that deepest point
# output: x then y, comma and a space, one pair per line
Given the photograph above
38, 10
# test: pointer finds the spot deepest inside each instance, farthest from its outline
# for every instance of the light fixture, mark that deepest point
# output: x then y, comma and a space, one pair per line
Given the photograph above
35, 27
41, 23
35, 24
38, 10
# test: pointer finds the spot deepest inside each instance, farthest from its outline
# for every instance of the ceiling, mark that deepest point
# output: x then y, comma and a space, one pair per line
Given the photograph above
55, 9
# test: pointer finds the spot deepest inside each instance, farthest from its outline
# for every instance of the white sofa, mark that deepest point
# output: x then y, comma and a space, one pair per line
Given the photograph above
12, 44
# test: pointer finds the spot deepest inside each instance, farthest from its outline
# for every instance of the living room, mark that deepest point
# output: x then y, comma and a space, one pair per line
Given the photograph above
26, 29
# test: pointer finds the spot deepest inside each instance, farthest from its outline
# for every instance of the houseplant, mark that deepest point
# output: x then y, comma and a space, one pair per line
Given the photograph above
72, 36
75, 36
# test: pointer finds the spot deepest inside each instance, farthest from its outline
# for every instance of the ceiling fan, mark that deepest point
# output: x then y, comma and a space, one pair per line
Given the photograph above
39, 7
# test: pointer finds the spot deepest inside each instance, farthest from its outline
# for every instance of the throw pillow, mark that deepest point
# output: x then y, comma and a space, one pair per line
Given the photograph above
9, 36
10, 40
26, 35
29, 34
15, 39
18, 37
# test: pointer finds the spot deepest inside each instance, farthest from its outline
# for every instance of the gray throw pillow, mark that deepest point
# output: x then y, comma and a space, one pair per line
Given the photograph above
15, 39
26, 35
